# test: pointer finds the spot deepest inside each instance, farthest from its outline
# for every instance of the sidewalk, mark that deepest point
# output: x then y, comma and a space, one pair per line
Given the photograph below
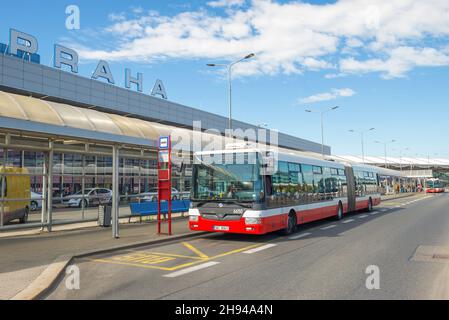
401, 195
23, 259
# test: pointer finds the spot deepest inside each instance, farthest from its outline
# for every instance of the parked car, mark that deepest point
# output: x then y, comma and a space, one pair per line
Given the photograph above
17, 186
36, 201
152, 195
92, 196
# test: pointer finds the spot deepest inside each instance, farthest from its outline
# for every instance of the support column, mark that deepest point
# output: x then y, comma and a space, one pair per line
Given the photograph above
50, 187
3, 184
83, 181
46, 168
115, 192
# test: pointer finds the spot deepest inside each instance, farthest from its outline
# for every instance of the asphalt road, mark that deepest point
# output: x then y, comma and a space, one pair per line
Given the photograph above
323, 260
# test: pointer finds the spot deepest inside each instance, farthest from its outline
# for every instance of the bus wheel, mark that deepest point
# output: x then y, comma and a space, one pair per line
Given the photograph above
340, 211
370, 205
24, 219
291, 224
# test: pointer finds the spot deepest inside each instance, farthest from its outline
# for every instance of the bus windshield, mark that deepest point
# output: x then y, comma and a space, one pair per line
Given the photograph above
434, 184
239, 182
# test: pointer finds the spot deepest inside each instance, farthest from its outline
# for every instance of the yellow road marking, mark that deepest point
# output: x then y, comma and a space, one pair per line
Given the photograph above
131, 264
174, 268
176, 255
217, 256
195, 250
143, 257
237, 250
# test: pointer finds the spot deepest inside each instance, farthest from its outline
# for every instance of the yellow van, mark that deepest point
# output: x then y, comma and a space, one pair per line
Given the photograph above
17, 189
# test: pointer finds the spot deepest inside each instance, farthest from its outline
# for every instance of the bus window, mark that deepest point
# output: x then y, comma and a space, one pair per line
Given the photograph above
317, 170
310, 186
294, 167
283, 166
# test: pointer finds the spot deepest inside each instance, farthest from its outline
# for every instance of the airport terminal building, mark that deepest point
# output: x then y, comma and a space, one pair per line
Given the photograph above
69, 135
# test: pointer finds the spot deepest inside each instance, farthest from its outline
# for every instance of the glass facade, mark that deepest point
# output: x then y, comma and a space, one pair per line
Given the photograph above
80, 183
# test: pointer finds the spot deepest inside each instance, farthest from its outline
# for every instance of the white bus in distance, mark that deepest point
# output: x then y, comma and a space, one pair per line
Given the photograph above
247, 197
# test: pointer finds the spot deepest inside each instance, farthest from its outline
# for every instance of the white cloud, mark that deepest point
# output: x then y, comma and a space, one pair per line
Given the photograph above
352, 36
328, 96
400, 60
334, 75
225, 3
117, 16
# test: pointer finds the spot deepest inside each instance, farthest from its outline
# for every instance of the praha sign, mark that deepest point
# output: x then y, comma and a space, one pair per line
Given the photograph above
68, 57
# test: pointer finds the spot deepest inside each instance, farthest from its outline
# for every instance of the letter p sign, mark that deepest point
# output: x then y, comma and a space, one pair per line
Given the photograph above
73, 20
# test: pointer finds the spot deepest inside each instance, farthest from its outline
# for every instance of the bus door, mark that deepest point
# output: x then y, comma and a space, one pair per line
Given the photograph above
351, 189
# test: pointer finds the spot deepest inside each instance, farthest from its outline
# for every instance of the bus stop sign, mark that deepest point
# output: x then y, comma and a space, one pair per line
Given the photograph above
164, 167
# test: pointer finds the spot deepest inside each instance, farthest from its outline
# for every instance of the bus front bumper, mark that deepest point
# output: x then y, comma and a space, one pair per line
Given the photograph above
238, 226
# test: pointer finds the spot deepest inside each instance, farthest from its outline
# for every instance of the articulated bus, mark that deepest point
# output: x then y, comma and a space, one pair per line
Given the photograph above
434, 186
248, 197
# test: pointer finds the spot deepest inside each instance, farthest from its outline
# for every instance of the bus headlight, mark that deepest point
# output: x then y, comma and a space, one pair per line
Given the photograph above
193, 218
253, 220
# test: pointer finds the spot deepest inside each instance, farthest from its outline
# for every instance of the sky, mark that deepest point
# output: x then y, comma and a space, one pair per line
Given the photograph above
384, 63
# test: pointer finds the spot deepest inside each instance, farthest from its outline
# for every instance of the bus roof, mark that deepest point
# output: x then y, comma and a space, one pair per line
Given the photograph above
283, 155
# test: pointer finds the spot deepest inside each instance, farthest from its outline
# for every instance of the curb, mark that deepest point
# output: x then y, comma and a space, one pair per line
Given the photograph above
49, 277
400, 197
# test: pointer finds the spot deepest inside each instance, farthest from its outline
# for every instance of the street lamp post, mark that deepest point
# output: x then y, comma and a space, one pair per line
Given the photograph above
362, 134
322, 113
385, 149
229, 68
401, 153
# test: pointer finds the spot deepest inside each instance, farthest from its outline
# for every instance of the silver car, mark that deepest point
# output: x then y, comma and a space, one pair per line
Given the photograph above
36, 201
152, 195
92, 196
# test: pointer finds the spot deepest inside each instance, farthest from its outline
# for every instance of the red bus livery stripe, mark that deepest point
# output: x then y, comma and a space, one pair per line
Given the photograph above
271, 221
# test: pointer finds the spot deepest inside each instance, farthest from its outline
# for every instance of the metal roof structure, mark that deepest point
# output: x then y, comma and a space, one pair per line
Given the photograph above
34, 115
405, 162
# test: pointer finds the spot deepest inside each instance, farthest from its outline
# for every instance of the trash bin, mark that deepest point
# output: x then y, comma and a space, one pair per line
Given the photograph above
104, 216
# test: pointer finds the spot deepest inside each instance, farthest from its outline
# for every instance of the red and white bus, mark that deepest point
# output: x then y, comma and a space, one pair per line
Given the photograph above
250, 191
434, 186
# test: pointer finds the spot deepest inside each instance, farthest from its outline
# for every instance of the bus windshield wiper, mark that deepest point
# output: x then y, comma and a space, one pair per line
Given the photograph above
201, 203
237, 203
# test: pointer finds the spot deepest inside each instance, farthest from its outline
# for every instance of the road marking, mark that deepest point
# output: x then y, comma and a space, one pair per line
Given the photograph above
195, 250
299, 236
349, 220
383, 210
267, 246
329, 227
363, 216
175, 255
374, 213
142, 258
191, 269
132, 264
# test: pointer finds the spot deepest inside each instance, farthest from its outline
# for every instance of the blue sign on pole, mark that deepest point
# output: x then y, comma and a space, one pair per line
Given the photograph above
164, 142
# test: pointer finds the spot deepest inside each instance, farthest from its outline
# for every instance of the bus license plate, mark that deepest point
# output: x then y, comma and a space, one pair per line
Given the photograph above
221, 228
